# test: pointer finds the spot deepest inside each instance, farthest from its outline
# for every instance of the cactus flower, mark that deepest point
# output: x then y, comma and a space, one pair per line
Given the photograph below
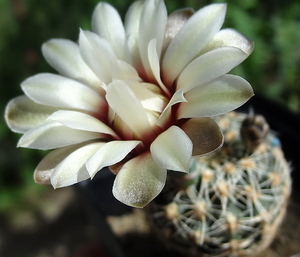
137, 97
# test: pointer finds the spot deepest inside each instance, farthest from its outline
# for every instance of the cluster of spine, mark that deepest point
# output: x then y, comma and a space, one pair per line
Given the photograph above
232, 201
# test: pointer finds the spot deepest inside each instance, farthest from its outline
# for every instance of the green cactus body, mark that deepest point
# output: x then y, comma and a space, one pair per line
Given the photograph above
232, 201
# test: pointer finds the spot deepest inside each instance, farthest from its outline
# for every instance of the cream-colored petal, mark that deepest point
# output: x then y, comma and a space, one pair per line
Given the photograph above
81, 121
132, 18
72, 169
107, 23
193, 36
229, 37
139, 181
54, 135
126, 105
220, 96
175, 22
98, 55
22, 114
109, 154
123, 71
152, 26
57, 91
123, 130
172, 149
45, 168
178, 97
64, 56
155, 66
132, 23
210, 66
205, 135
149, 94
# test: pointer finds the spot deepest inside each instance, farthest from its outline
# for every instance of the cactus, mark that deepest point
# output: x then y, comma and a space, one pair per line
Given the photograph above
232, 201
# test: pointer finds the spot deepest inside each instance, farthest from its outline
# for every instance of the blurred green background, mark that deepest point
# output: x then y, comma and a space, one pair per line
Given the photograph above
272, 69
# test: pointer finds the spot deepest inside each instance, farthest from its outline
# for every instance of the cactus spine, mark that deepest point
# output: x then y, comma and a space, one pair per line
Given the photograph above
232, 201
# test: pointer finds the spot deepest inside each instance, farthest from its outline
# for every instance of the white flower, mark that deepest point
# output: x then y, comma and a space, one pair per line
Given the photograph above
136, 97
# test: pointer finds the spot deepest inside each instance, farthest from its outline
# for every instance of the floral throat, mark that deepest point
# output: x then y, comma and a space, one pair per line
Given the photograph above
136, 97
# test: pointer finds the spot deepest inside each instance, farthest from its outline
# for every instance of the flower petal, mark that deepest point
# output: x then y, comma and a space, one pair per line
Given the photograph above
178, 97
108, 154
156, 12
205, 135
57, 91
72, 169
81, 121
54, 135
150, 95
45, 168
134, 115
229, 37
64, 56
124, 71
132, 23
98, 55
154, 64
139, 181
107, 23
193, 36
210, 66
174, 23
22, 114
172, 149
222, 95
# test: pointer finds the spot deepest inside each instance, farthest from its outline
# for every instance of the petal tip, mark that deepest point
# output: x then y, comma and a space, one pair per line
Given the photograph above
139, 181
42, 177
205, 140
132, 198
